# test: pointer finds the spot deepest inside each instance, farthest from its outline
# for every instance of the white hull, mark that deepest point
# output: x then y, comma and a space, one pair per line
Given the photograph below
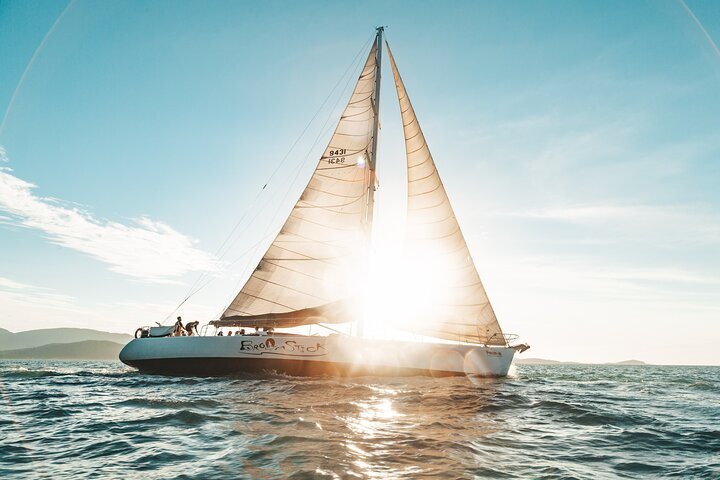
335, 355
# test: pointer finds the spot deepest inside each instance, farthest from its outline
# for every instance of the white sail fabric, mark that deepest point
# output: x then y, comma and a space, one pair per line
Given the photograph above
314, 260
441, 263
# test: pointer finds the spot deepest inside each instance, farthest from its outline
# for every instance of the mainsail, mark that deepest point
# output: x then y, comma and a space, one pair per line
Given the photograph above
316, 258
437, 248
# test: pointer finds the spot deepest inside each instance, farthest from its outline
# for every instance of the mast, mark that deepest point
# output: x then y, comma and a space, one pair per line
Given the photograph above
373, 146
372, 178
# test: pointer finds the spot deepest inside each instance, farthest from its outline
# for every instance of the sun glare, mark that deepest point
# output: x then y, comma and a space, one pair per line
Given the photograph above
405, 290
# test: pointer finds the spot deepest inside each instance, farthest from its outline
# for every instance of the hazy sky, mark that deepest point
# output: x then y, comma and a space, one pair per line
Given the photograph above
578, 141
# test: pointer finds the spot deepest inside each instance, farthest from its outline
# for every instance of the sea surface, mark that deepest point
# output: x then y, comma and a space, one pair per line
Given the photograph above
72, 420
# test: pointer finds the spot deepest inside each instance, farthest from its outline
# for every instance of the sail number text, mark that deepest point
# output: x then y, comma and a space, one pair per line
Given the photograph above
337, 156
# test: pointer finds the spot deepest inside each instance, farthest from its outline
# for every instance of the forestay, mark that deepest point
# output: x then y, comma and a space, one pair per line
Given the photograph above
316, 257
437, 249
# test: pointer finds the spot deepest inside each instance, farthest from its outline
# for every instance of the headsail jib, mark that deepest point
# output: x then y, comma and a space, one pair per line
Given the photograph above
436, 244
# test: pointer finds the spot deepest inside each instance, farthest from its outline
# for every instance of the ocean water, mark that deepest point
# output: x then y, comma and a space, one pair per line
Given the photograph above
103, 420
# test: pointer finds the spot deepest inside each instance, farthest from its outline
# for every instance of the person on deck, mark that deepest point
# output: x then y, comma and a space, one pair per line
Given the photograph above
191, 328
179, 329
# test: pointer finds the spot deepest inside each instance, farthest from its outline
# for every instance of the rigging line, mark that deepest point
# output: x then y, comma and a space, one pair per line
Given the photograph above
218, 253
203, 275
265, 235
31, 63
307, 126
277, 169
323, 131
285, 157
193, 292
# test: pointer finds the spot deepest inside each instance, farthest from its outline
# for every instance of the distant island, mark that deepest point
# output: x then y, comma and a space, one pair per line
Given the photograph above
61, 344
543, 361
87, 350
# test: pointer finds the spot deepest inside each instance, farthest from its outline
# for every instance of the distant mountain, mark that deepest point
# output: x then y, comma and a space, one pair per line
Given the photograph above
87, 350
628, 362
541, 361
37, 338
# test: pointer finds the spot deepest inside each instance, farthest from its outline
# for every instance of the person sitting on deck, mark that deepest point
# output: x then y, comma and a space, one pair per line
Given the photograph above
220, 333
242, 331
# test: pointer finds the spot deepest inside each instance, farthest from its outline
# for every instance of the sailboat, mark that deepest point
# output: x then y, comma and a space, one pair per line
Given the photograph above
309, 276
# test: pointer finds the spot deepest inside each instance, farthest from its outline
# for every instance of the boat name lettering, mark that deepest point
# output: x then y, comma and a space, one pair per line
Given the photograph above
286, 346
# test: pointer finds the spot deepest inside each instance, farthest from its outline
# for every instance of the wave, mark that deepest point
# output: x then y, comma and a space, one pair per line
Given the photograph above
162, 403
63, 419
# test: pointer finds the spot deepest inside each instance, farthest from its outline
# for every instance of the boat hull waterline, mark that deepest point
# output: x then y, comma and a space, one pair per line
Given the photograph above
301, 355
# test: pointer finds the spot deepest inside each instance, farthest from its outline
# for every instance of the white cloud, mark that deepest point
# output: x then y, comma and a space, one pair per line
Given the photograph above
612, 282
6, 283
688, 224
147, 250
18, 298
666, 275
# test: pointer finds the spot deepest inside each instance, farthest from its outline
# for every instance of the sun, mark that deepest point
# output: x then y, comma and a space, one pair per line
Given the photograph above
405, 290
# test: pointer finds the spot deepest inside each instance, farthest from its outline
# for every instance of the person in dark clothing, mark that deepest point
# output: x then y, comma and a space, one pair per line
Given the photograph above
191, 328
179, 329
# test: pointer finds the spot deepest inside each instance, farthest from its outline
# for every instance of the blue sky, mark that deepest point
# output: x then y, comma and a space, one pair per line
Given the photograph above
578, 141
